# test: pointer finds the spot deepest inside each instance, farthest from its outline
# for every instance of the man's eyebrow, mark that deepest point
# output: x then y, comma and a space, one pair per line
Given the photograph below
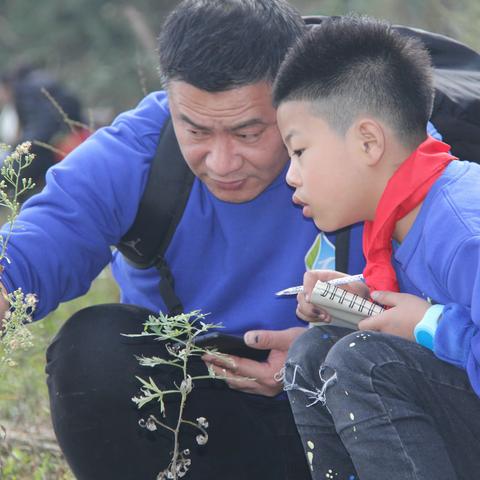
234, 128
184, 118
248, 123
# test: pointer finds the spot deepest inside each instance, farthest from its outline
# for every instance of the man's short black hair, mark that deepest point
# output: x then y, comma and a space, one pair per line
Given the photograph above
217, 45
355, 65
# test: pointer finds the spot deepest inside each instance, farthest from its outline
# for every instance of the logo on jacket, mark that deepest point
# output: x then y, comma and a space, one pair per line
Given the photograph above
321, 255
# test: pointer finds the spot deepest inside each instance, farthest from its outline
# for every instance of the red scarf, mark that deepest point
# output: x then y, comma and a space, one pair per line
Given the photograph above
405, 190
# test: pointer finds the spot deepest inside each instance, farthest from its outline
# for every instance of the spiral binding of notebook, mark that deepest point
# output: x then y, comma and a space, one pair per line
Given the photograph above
345, 308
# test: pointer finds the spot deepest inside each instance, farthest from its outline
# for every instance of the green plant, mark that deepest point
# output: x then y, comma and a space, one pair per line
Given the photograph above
15, 334
180, 330
18, 306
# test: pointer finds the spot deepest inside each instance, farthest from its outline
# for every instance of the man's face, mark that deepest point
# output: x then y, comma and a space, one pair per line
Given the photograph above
229, 139
323, 170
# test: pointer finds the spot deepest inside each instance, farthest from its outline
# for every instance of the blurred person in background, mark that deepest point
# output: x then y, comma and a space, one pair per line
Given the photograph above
36, 107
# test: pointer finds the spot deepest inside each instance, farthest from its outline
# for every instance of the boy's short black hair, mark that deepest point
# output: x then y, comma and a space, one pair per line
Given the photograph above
355, 65
217, 45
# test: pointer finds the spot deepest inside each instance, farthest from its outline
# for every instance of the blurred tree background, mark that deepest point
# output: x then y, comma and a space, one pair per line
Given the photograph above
105, 51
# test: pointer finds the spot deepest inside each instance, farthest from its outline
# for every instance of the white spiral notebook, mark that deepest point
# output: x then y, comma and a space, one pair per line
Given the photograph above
345, 308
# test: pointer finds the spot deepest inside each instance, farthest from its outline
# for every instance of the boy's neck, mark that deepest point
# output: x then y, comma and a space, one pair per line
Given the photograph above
403, 226
396, 154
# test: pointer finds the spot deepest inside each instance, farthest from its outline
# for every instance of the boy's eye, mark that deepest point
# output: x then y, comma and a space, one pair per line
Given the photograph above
298, 153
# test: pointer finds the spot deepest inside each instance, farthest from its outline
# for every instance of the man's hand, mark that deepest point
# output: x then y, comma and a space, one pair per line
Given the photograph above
312, 313
407, 310
249, 376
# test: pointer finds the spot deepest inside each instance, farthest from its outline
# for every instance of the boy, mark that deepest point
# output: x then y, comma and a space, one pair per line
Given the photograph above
353, 100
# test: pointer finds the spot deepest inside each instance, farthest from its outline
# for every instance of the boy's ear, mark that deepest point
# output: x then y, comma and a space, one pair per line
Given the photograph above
370, 139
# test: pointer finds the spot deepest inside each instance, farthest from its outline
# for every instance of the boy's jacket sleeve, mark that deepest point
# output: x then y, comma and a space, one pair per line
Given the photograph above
457, 339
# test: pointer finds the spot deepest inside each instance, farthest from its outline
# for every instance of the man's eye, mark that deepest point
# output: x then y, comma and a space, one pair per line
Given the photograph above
197, 133
248, 137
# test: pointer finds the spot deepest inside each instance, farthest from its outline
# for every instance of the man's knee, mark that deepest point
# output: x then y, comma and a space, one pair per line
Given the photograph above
96, 326
89, 350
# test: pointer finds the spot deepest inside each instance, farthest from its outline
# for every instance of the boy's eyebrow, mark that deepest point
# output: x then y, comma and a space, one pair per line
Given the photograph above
289, 137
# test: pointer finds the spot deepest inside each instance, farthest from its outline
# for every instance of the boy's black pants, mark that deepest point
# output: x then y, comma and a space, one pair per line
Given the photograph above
91, 371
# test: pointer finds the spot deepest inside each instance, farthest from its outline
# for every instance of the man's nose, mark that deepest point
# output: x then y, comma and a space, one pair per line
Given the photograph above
222, 158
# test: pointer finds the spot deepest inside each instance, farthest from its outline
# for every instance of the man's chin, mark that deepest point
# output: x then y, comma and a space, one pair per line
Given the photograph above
240, 195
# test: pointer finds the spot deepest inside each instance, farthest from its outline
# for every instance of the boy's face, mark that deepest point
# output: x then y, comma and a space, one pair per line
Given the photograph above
323, 170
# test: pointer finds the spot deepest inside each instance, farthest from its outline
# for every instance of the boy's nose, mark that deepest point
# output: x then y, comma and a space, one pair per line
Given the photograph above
292, 177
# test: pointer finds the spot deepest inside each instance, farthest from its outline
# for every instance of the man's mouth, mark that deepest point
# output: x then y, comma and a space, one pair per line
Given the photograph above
228, 185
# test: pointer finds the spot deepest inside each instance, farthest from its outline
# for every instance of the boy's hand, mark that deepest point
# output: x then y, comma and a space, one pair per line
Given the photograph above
312, 313
261, 378
407, 310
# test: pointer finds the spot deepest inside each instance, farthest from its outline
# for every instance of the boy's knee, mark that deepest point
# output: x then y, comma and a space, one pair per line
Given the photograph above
361, 351
308, 352
310, 349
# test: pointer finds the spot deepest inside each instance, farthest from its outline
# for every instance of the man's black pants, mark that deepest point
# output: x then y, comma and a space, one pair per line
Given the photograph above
91, 371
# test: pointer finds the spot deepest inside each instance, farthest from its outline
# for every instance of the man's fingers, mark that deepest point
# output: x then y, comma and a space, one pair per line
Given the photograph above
239, 380
272, 339
221, 360
242, 367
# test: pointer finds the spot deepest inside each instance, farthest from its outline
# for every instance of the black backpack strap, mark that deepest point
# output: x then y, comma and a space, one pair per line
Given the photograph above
342, 249
160, 210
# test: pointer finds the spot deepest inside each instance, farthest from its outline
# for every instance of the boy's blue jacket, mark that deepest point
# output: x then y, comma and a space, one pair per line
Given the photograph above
227, 259
440, 259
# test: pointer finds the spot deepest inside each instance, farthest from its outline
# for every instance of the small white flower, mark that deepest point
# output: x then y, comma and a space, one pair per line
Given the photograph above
150, 425
202, 422
30, 299
201, 439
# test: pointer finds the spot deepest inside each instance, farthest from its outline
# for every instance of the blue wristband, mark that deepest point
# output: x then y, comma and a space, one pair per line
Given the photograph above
425, 330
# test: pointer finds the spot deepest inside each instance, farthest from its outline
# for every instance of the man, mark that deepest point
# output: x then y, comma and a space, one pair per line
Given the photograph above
238, 242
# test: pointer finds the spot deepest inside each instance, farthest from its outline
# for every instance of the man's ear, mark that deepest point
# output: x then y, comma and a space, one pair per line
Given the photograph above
369, 137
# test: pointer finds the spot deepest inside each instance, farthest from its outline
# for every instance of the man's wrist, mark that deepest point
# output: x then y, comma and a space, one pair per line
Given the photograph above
424, 332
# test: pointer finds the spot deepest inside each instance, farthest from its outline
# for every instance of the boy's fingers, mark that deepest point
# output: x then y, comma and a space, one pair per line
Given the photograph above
390, 299
314, 314
370, 323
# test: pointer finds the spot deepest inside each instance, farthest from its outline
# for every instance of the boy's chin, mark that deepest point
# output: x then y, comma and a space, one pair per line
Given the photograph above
327, 227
